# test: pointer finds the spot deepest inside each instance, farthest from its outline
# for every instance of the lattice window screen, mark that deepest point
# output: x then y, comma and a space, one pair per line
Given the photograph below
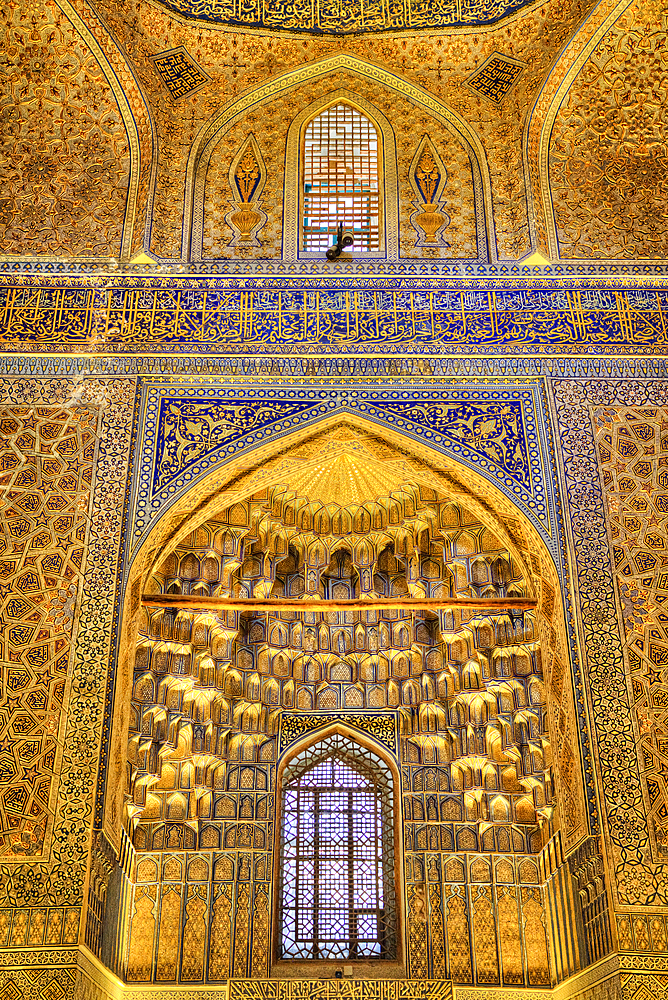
341, 182
337, 872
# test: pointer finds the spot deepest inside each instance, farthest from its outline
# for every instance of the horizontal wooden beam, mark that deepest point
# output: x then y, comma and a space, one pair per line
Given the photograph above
193, 602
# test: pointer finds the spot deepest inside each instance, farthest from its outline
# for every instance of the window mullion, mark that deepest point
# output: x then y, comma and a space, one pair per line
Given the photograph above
316, 873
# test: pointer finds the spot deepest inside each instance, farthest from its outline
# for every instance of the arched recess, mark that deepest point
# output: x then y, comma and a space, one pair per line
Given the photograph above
387, 160
305, 452
540, 122
139, 127
354, 744
202, 147
245, 493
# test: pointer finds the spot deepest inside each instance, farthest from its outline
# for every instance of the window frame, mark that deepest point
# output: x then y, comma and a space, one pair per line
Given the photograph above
381, 252
373, 968
387, 172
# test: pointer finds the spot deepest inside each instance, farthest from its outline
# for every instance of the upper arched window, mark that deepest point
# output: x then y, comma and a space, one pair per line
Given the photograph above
337, 898
341, 180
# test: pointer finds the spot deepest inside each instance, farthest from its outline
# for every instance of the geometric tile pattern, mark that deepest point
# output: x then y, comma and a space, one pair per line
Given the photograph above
633, 454
496, 77
46, 467
41, 886
179, 72
597, 479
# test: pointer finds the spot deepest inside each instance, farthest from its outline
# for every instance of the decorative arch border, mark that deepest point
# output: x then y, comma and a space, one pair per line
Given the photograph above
202, 147
387, 170
543, 114
122, 81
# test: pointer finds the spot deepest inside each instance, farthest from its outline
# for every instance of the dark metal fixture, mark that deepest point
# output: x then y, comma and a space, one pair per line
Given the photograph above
344, 238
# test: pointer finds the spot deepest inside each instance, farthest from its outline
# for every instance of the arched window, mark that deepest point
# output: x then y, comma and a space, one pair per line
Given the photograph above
341, 180
337, 897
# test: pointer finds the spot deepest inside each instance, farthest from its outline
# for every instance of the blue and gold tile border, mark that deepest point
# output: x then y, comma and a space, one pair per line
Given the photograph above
334, 316
189, 429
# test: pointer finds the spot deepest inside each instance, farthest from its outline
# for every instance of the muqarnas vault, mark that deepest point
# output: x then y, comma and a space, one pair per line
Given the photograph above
313, 788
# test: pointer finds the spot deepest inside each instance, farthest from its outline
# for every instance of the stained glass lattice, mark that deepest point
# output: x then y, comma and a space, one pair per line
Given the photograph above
341, 180
337, 893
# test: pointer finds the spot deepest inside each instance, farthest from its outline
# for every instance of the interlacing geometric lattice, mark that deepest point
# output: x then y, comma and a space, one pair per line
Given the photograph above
341, 183
337, 871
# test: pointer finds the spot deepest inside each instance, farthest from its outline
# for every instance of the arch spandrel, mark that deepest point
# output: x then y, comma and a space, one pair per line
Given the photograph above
543, 114
612, 107
135, 112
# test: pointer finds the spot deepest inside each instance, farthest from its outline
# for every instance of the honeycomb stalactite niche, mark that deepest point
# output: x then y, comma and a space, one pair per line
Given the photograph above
456, 697
65, 169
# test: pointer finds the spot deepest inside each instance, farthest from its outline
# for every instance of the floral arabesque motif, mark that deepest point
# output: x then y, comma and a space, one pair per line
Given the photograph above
610, 141
65, 172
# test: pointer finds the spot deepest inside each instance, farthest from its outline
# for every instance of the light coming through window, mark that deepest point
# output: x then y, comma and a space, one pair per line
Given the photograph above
334, 887
341, 182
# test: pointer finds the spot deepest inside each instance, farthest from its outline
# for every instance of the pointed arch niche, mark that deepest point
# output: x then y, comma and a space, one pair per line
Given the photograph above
474, 712
206, 178
359, 869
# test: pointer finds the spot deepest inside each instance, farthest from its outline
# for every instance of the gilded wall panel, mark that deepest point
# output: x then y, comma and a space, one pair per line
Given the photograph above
194, 934
621, 670
510, 940
42, 893
609, 140
228, 867
66, 162
142, 934
221, 933
169, 934
436, 932
633, 457
48, 460
484, 934
459, 946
